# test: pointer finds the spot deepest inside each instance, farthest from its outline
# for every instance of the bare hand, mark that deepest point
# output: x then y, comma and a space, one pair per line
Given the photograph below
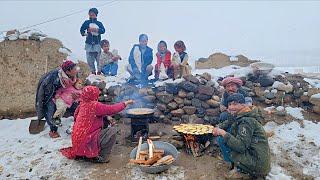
218, 132
128, 102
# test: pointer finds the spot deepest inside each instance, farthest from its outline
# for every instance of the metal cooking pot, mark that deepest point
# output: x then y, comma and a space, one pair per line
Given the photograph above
140, 113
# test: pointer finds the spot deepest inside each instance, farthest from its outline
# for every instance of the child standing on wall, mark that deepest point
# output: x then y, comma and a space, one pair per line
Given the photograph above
180, 60
108, 64
64, 98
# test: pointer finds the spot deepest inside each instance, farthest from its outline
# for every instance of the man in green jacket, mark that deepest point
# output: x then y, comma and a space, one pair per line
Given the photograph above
243, 141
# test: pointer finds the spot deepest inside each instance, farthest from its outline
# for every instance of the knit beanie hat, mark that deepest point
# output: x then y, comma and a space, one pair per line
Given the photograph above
237, 97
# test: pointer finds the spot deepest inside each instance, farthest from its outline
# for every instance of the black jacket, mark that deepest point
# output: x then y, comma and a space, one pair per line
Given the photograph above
47, 87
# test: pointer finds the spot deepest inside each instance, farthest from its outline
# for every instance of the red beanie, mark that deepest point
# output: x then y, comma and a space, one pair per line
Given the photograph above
67, 65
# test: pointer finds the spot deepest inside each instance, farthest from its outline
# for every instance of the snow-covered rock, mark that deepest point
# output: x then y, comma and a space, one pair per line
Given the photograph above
315, 99
283, 87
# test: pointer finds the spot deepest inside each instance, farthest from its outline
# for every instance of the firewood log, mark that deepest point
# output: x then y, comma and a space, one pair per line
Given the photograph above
139, 149
151, 147
152, 160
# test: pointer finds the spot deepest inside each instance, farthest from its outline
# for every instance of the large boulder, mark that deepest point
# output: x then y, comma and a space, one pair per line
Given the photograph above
172, 105
315, 99
213, 112
188, 86
203, 97
192, 79
196, 102
164, 97
207, 90
213, 103
177, 113
172, 88
182, 94
189, 110
288, 88
161, 107
178, 100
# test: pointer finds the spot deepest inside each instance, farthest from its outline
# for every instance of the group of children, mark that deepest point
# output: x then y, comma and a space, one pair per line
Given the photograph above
167, 65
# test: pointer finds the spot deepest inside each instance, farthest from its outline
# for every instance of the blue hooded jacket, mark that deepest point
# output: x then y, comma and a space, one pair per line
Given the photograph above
146, 59
91, 39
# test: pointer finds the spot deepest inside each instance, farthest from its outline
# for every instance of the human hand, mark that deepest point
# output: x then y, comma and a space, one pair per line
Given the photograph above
129, 102
218, 132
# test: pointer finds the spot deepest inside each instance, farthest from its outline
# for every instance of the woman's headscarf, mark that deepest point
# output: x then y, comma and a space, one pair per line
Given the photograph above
162, 53
90, 93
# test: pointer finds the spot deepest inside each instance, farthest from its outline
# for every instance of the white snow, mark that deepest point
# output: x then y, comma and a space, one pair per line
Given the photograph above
295, 112
316, 96
280, 108
25, 156
274, 91
300, 143
276, 84
277, 173
162, 83
237, 71
313, 82
109, 80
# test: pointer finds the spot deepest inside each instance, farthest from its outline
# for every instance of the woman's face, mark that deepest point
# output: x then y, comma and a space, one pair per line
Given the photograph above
162, 47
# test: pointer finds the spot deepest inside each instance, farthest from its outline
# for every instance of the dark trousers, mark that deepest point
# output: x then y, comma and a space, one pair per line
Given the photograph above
50, 109
107, 140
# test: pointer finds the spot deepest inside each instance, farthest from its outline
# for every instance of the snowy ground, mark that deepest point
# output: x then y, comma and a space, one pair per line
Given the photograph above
295, 144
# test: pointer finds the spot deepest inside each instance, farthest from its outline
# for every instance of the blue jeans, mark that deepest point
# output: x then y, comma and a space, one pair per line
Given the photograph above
110, 69
225, 150
50, 109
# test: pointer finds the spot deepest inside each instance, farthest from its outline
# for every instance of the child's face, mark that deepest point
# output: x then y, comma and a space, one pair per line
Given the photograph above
106, 47
162, 47
234, 107
78, 85
178, 49
92, 15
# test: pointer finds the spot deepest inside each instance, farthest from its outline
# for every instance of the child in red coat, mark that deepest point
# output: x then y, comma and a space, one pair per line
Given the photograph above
164, 66
88, 138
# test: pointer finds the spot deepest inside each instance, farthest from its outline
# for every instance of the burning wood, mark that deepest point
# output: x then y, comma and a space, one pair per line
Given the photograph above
152, 156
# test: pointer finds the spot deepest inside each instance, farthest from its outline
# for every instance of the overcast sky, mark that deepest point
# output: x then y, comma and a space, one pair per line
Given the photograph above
281, 32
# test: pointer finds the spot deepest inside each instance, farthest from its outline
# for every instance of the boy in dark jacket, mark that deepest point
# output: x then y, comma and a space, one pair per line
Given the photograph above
48, 85
140, 60
92, 29
243, 141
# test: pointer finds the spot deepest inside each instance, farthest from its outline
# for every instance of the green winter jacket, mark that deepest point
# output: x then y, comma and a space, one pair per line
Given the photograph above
248, 143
